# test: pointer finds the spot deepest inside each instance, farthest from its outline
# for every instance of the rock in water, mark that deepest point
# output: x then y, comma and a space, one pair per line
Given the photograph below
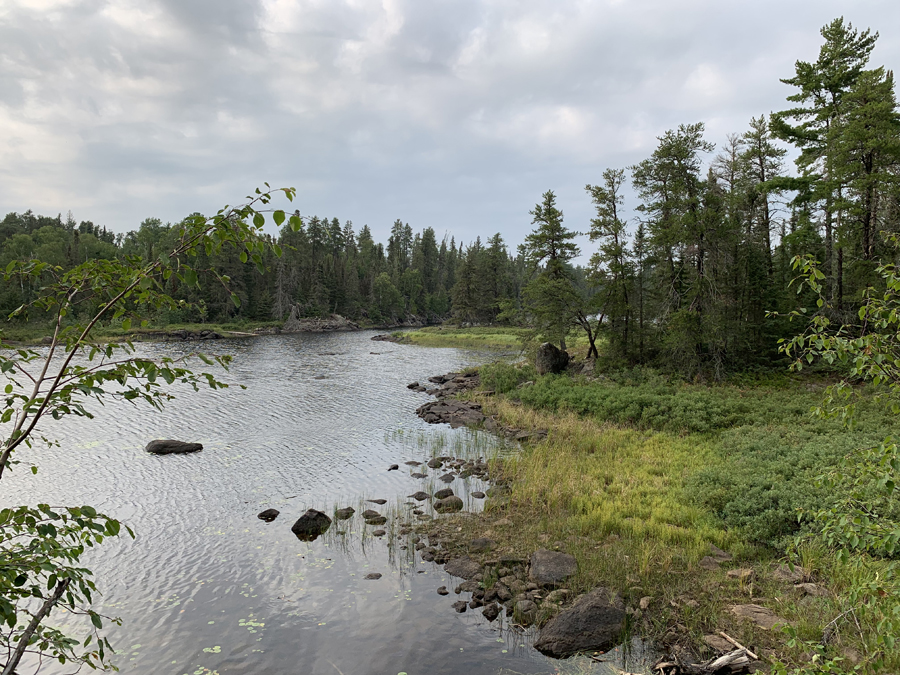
443, 494
268, 515
550, 568
451, 503
594, 623
345, 513
550, 359
491, 611
161, 447
373, 575
369, 514
310, 525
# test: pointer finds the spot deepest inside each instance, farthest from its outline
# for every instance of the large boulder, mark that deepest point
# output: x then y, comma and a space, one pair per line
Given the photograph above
550, 359
594, 623
551, 568
310, 525
166, 447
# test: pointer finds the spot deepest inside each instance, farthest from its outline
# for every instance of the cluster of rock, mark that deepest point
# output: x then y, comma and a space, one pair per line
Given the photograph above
450, 384
335, 322
182, 335
458, 413
531, 592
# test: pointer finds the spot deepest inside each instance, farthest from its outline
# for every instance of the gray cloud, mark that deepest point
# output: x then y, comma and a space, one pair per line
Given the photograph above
454, 114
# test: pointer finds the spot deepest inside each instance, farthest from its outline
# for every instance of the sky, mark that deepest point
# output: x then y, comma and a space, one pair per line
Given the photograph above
455, 115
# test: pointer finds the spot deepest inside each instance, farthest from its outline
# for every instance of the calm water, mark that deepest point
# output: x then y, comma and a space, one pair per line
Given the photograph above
207, 587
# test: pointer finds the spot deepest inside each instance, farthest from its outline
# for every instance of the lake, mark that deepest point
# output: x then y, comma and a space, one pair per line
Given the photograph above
206, 587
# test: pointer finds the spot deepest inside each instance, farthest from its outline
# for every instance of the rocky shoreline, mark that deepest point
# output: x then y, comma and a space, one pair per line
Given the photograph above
531, 588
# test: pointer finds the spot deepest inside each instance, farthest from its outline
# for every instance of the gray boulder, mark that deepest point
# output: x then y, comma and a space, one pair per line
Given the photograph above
463, 567
310, 525
550, 359
594, 623
551, 568
165, 447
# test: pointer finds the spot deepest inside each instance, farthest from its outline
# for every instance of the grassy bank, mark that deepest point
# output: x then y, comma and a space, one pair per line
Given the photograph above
639, 476
34, 333
487, 337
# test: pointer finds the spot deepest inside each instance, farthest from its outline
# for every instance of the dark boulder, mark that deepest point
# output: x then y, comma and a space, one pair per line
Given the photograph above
594, 623
549, 359
164, 447
491, 611
443, 493
451, 503
310, 525
268, 515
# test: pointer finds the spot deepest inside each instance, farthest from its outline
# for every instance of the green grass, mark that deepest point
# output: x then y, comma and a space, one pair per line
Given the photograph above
640, 473
487, 337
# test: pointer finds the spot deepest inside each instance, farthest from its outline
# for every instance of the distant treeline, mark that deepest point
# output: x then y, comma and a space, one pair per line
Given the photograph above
688, 285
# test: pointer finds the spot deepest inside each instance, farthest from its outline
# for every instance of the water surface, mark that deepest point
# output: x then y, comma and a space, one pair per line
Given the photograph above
206, 587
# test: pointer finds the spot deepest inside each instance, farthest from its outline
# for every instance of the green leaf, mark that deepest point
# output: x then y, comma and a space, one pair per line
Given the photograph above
296, 223
278, 217
235, 299
259, 220
126, 324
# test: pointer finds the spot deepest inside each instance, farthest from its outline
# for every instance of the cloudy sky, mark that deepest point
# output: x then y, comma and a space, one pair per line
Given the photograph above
455, 114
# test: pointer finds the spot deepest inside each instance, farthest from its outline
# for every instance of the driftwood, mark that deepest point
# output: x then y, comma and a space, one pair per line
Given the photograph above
739, 645
734, 662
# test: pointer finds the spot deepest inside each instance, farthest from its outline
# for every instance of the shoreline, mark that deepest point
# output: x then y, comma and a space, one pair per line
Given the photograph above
681, 598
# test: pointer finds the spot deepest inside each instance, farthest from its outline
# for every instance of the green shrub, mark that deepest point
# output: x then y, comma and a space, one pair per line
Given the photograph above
505, 377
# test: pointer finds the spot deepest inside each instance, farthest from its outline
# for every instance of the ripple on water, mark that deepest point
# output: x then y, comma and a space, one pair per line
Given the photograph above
207, 587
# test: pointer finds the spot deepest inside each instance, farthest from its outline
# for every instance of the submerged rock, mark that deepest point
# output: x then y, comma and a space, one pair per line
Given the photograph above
443, 493
420, 496
168, 447
268, 515
594, 623
345, 513
310, 525
373, 575
460, 606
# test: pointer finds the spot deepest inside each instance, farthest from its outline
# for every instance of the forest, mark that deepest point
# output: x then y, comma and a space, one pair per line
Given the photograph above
699, 281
